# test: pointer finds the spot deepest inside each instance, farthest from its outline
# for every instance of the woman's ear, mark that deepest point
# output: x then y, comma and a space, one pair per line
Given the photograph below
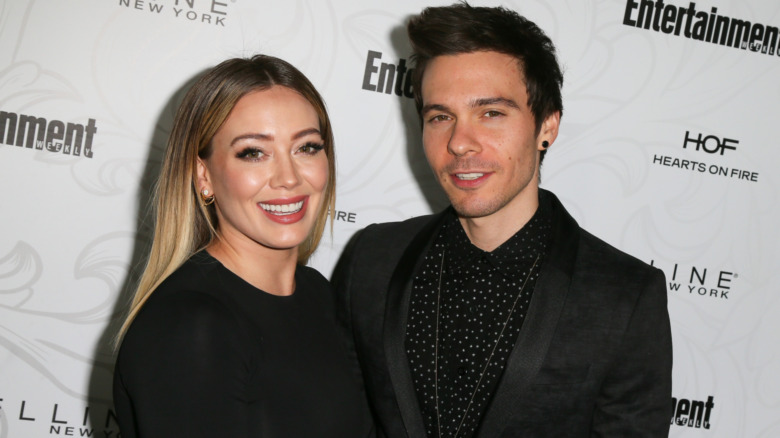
203, 179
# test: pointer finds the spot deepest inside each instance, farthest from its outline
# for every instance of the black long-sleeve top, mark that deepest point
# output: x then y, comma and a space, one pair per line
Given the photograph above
209, 355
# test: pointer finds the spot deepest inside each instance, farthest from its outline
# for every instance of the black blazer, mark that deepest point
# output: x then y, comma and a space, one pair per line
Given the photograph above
593, 358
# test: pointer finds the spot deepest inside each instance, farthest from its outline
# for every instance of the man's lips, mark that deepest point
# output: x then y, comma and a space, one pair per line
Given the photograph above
469, 176
469, 179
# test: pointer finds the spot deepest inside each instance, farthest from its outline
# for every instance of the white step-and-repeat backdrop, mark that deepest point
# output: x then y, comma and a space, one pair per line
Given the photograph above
668, 150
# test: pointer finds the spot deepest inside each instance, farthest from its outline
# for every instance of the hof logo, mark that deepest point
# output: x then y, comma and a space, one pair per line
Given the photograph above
37, 133
710, 144
63, 420
212, 12
699, 281
692, 413
390, 77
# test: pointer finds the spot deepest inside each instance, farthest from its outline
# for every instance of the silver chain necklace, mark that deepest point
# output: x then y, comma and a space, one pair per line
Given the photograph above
490, 357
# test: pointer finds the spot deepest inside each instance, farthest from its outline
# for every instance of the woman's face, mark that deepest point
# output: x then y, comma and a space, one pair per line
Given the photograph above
267, 170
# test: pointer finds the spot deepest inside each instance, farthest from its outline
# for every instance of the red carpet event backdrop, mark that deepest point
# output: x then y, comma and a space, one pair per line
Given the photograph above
668, 149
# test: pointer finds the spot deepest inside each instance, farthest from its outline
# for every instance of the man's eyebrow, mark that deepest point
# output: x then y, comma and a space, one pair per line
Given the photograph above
476, 103
434, 107
485, 101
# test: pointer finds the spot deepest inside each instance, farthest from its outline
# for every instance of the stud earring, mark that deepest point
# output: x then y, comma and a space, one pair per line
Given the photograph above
206, 198
545, 144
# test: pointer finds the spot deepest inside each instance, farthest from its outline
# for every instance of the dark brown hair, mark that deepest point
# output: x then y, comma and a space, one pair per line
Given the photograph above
462, 28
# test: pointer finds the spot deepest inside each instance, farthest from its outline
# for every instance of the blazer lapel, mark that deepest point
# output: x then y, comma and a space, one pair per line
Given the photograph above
396, 315
539, 326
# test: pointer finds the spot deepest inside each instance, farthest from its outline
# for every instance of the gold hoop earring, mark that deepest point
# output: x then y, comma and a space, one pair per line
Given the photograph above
206, 198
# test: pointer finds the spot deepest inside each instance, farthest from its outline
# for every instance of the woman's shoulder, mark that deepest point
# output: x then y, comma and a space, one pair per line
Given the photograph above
181, 327
197, 273
188, 302
176, 312
179, 331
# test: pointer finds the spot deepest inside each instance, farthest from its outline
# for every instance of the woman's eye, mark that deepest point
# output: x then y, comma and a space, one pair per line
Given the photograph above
311, 148
251, 154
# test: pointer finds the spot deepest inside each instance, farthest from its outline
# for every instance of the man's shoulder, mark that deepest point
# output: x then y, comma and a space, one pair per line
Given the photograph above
399, 230
591, 252
599, 253
383, 244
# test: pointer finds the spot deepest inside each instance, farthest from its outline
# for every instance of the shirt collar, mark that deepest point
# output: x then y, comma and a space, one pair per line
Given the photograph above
525, 246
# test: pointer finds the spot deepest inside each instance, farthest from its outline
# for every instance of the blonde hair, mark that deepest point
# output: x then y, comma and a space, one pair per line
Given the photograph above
184, 225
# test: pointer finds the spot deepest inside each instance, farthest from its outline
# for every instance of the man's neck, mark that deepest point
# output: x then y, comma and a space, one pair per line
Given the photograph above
489, 232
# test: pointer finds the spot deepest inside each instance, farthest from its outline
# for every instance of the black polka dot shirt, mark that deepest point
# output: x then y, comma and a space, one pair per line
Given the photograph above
481, 309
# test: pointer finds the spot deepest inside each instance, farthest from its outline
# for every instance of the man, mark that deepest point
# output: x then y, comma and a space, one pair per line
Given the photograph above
500, 317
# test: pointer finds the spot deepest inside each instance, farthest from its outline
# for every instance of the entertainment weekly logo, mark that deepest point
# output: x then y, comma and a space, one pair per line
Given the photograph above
386, 77
37, 133
47, 418
698, 281
708, 147
710, 27
692, 413
205, 12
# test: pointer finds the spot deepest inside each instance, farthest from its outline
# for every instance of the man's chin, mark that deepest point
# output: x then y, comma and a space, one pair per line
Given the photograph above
475, 209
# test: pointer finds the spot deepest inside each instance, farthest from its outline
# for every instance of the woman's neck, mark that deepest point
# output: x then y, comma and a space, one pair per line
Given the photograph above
270, 270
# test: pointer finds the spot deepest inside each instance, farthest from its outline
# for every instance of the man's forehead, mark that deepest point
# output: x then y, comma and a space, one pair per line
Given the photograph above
473, 79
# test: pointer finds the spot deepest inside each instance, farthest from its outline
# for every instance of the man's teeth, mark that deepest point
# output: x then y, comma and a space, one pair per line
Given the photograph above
469, 176
281, 209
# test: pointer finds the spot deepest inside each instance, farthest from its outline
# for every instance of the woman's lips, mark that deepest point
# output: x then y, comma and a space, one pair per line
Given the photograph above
285, 211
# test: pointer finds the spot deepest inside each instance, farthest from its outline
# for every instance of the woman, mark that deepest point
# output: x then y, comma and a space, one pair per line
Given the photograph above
229, 334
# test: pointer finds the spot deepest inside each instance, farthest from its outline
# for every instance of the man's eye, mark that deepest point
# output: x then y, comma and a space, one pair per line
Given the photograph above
439, 118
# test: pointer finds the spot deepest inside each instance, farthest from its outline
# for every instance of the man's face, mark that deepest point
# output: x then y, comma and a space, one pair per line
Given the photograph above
479, 133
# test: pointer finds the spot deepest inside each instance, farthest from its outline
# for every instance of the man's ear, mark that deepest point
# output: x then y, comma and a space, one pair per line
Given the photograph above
549, 130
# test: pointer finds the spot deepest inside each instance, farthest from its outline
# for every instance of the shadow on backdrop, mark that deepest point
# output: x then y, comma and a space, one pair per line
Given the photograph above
101, 374
415, 156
